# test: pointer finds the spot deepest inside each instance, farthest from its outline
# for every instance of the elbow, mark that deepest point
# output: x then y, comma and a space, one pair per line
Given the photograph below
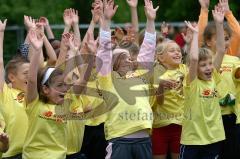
52, 62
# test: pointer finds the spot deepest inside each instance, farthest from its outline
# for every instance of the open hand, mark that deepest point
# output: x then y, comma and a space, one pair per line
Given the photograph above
150, 12
3, 25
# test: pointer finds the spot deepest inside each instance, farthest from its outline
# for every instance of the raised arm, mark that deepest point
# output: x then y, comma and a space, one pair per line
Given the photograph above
63, 48
147, 50
30, 24
234, 26
193, 66
51, 55
2, 29
203, 20
95, 19
104, 53
67, 20
91, 46
134, 15
75, 24
218, 16
47, 27
63, 52
36, 43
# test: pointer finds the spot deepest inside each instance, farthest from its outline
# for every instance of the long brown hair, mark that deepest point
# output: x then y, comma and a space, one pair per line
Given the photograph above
50, 80
210, 31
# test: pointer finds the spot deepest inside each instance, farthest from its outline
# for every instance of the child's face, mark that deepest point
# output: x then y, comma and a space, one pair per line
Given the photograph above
56, 90
125, 63
212, 42
227, 40
205, 69
172, 57
19, 80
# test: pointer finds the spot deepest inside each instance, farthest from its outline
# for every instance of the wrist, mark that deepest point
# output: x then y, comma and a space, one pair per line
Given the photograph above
204, 7
218, 23
75, 25
150, 20
92, 22
228, 12
67, 26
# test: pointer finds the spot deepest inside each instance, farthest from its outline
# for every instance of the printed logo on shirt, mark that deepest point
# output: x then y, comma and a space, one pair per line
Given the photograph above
49, 115
209, 93
20, 97
225, 68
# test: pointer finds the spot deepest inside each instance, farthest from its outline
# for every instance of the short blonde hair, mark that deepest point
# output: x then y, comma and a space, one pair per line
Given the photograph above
204, 54
162, 48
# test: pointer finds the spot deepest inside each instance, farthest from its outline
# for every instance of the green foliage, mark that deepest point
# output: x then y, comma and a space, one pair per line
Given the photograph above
15, 9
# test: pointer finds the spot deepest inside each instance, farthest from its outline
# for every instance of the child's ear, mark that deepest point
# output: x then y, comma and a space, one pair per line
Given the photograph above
45, 90
161, 58
209, 43
11, 77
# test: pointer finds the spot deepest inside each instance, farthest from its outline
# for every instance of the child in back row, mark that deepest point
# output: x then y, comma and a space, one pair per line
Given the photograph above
203, 130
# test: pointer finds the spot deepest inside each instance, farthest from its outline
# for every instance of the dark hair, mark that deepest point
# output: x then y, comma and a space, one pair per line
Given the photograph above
52, 40
13, 65
210, 31
132, 47
50, 80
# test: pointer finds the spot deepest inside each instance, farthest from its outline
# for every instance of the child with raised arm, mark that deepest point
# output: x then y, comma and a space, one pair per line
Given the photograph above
47, 103
233, 47
202, 130
128, 124
94, 143
229, 108
11, 100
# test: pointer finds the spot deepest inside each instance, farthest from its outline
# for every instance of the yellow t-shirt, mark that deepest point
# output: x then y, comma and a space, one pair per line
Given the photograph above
227, 85
237, 85
202, 122
75, 125
171, 111
75, 132
2, 127
158, 71
46, 136
15, 117
94, 96
2, 123
129, 96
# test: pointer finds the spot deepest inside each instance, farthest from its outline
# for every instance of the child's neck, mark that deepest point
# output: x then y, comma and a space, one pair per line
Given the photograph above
14, 86
171, 67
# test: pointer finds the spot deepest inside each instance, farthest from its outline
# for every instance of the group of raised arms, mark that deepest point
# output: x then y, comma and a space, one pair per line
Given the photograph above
123, 93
